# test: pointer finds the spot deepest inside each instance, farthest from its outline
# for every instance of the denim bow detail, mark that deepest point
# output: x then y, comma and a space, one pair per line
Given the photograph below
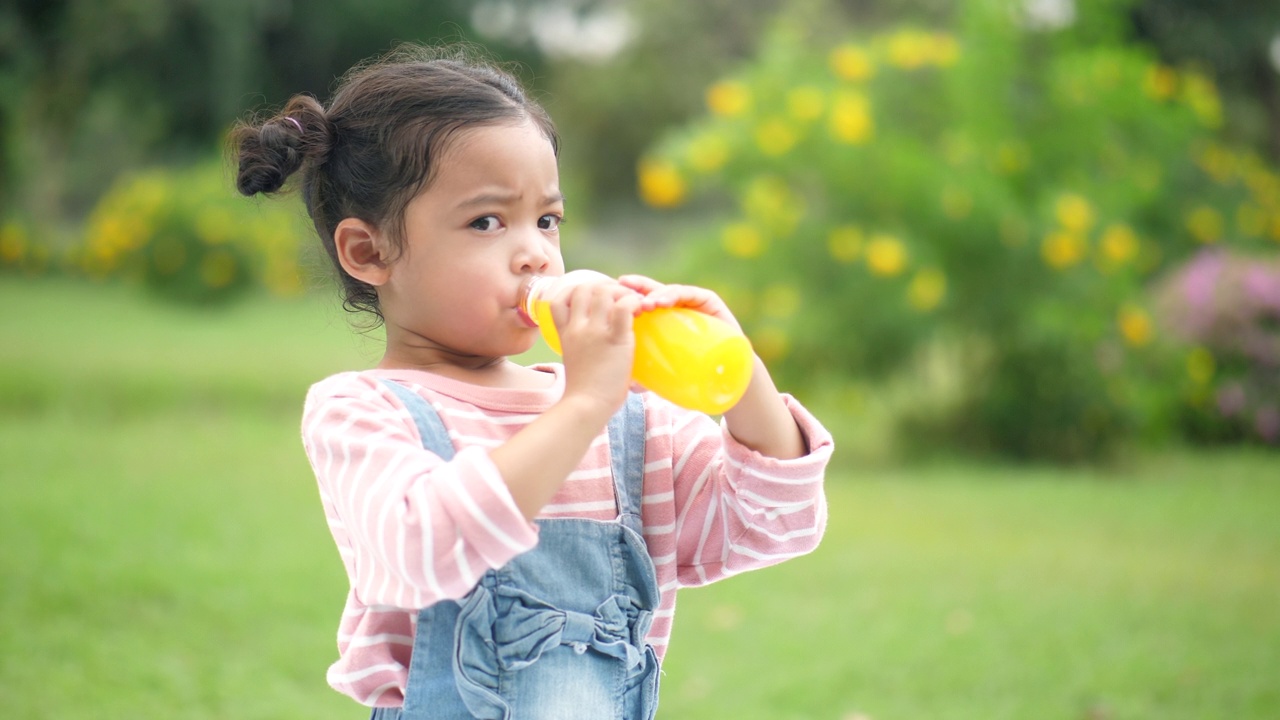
527, 627
515, 628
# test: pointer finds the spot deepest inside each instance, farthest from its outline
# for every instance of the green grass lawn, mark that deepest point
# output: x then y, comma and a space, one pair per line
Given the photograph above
163, 553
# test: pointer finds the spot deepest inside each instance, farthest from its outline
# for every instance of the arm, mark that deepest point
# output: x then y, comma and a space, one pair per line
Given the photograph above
411, 528
593, 320
749, 493
737, 509
414, 529
760, 420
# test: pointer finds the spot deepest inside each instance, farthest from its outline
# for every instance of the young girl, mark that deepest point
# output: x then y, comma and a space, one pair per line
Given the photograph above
514, 536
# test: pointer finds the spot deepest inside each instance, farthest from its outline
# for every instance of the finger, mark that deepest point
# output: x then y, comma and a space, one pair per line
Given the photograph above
620, 321
639, 283
673, 295
630, 303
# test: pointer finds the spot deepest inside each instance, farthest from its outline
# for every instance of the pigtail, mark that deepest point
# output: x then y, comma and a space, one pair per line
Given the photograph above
371, 150
269, 151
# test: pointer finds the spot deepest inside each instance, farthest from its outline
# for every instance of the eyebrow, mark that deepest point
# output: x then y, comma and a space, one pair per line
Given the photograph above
504, 199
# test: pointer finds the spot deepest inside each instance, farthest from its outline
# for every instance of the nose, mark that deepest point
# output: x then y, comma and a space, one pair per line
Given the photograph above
534, 254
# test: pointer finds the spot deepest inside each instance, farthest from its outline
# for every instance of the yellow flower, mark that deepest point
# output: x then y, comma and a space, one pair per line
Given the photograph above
805, 103
1062, 249
1073, 212
845, 243
1200, 366
1201, 95
886, 255
1135, 325
728, 98
851, 121
13, 243
927, 289
1217, 162
1206, 224
781, 300
1264, 185
742, 240
1251, 220
1119, 244
1160, 82
661, 184
852, 62
775, 137
909, 49
957, 203
771, 343
708, 153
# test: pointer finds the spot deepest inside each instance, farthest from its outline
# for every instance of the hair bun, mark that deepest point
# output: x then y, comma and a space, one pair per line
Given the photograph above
272, 150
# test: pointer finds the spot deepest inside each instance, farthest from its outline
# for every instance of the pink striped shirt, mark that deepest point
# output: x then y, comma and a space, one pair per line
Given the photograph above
412, 529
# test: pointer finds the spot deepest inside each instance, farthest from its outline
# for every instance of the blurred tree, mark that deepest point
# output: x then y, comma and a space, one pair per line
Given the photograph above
1234, 40
611, 109
89, 87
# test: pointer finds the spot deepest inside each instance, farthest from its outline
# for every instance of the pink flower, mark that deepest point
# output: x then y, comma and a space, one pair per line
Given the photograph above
1267, 422
1231, 399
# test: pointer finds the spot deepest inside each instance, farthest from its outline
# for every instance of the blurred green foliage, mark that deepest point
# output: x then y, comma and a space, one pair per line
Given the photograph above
189, 237
1004, 192
91, 88
989, 186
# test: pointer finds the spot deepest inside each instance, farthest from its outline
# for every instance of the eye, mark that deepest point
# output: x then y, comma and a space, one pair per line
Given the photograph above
551, 221
488, 223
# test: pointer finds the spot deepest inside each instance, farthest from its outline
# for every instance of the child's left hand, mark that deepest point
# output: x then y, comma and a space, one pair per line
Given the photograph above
655, 295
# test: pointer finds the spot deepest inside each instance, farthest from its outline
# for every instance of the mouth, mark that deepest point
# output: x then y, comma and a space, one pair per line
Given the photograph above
524, 317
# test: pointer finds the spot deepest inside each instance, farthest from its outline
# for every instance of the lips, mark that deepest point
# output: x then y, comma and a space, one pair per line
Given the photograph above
524, 318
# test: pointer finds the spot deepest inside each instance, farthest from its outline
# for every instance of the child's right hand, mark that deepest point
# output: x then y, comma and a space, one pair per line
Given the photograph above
593, 319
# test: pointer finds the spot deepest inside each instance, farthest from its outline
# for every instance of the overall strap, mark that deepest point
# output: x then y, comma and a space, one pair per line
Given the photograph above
626, 444
626, 450
434, 435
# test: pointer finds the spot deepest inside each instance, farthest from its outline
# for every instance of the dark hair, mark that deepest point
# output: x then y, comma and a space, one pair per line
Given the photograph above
373, 149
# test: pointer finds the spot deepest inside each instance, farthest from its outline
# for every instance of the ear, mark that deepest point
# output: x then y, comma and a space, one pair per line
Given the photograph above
363, 251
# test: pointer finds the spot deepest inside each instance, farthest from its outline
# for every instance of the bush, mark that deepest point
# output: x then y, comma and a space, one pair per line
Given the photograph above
187, 236
19, 252
1225, 307
1011, 190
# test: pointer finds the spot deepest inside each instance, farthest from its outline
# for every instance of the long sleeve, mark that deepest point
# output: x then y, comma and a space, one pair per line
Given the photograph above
738, 510
411, 528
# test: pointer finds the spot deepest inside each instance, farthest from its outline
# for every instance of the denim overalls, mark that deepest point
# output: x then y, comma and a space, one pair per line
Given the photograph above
559, 631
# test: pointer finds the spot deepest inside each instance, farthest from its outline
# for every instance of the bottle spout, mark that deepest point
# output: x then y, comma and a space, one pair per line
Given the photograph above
529, 292
537, 286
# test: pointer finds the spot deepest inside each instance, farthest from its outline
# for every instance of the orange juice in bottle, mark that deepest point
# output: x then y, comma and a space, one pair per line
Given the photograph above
688, 357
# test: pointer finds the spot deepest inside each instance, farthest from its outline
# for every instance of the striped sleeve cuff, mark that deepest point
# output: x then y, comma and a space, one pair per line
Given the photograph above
774, 482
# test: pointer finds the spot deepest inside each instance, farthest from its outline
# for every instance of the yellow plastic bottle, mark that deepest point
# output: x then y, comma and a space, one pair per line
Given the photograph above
688, 357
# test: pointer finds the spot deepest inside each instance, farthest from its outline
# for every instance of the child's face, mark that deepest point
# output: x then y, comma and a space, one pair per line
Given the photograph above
488, 221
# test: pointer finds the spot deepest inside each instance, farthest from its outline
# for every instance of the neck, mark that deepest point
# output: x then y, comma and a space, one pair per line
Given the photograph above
406, 349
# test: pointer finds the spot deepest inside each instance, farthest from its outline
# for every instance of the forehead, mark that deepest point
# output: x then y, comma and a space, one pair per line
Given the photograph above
508, 150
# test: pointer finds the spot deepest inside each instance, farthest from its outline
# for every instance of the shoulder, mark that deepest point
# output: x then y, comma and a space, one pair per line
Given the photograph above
353, 385
352, 402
